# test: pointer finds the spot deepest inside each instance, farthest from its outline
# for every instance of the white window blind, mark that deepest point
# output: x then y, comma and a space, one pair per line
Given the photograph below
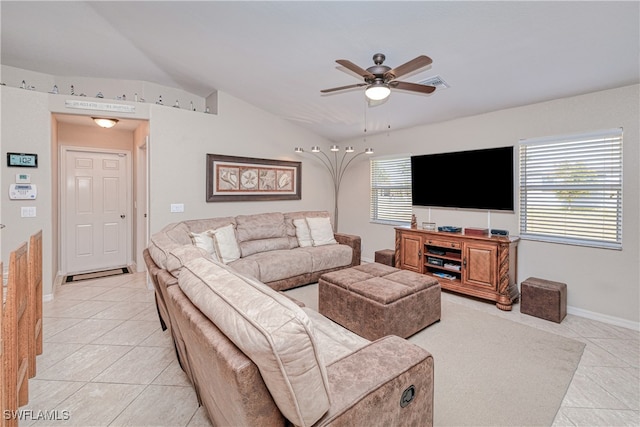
391, 190
571, 189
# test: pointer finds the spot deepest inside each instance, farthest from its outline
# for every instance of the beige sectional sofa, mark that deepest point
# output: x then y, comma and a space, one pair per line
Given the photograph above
256, 357
268, 246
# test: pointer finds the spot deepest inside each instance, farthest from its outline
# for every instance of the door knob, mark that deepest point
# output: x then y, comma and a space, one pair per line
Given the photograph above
122, 216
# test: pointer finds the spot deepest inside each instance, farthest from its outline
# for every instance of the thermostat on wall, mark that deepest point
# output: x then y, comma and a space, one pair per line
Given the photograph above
23, 178
23, 192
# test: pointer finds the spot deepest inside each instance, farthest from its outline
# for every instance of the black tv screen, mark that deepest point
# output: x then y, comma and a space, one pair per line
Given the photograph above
476, 179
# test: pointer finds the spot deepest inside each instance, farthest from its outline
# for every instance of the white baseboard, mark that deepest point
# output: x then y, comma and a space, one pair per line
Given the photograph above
604, 318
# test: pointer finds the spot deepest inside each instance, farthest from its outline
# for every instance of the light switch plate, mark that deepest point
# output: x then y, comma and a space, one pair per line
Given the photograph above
28, 211
177, 207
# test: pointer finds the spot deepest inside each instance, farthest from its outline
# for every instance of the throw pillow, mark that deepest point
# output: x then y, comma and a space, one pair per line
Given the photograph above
321, 231
225, 243
303, 234
203, 240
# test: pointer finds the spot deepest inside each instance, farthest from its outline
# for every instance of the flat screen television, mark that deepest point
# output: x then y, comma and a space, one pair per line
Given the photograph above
475, 179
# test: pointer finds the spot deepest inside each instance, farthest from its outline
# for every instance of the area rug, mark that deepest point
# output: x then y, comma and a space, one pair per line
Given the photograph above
96, 274
490, 371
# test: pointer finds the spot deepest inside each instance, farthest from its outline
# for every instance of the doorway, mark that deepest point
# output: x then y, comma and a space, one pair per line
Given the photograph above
95, 215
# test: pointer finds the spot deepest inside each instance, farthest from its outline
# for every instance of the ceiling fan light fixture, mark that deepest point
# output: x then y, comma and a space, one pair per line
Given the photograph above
377, 91
104, 122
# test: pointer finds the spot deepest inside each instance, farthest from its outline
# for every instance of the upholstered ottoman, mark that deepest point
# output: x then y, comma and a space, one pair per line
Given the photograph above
544, 299
374, 300
386, 257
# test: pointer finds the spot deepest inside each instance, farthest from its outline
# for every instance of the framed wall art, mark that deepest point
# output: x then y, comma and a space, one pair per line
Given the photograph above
231, 178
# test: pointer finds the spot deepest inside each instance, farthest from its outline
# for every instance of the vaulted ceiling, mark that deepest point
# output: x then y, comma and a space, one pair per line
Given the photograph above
279, 55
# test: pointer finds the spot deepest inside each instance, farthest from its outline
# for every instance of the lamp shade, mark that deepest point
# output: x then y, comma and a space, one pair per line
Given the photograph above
377, 91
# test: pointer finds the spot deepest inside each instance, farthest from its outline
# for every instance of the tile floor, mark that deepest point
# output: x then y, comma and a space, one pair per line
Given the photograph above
107, 362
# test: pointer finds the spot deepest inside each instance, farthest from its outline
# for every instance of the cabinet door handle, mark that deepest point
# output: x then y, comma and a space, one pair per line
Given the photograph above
464, 262
419, 253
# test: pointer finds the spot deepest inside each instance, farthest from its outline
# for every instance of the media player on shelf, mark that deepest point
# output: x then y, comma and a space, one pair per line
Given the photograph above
450, 229
498, 232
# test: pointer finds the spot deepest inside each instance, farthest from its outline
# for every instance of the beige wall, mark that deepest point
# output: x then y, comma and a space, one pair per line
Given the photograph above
26, 128
179, 142
602, 283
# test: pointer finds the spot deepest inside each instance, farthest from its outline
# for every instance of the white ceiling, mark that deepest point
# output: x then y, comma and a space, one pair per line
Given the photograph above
279, 55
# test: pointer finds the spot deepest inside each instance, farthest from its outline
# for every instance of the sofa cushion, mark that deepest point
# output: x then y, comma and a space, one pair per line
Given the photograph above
260, 226
263, 245
321, 231
204, 224
270, 329
261, 233
328, 256
282, 264
334, 341
225, 243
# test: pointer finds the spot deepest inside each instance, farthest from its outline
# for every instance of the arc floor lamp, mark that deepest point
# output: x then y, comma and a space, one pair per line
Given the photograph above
336, 165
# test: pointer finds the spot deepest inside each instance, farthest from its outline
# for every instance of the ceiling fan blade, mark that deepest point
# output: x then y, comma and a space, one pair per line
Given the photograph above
353, 67
334, 89
415, 64
413, 87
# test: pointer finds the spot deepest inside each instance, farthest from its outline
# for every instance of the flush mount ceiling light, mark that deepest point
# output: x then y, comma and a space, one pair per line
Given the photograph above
105, 123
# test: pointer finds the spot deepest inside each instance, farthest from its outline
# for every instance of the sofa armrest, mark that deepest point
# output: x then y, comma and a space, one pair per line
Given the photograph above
388, 382
351, 240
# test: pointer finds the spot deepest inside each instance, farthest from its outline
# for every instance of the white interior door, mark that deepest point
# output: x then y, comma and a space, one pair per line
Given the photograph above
96, 210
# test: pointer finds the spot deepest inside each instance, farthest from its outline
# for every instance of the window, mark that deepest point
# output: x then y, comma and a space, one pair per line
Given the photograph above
391, 190
571, 189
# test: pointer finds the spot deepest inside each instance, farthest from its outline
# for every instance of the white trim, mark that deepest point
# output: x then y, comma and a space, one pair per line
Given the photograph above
570, 136
604, 318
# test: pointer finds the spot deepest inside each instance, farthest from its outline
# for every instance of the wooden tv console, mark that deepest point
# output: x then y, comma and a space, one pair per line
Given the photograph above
476, 265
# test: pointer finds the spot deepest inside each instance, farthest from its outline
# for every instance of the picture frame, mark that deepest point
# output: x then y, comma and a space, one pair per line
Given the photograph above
238, 179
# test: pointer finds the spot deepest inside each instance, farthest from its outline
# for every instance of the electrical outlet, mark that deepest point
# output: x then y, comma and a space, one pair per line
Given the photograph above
177, 207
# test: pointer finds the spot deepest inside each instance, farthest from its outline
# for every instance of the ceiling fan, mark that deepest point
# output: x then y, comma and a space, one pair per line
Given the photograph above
380, 79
